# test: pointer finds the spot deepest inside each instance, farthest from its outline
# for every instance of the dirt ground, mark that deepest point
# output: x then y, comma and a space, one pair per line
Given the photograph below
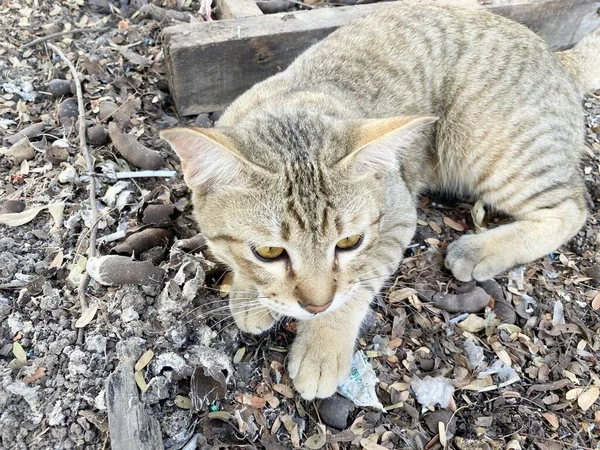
519, 372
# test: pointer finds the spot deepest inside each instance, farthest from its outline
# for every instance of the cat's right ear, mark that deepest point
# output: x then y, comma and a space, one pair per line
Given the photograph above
379, 144
208, 159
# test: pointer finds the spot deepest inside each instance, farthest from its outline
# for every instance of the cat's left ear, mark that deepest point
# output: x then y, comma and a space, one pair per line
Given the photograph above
208, 159
378, 144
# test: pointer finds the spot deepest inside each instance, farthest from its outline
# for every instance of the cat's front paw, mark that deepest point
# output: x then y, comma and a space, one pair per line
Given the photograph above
474, 257
252, 320
318, 366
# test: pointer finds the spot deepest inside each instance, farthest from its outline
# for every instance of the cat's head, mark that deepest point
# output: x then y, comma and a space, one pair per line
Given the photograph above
302, 207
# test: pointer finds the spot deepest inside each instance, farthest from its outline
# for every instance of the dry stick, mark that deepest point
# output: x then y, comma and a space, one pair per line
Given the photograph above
91, 184
62, 33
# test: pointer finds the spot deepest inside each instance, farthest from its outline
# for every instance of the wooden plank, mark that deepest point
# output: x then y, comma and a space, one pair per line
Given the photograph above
209, 65
236, 9
130, 427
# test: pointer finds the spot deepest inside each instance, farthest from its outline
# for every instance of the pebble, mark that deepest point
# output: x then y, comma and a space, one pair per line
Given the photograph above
216, 115
203, 121
106, 109
12, 206
68, 112
335, 410
97, 135
442, 415
158, 215
60, 88
594, 273
56, 155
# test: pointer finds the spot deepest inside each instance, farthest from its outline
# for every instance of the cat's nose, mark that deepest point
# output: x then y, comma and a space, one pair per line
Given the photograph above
317, 308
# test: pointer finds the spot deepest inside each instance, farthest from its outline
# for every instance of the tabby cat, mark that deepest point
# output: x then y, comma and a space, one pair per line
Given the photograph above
306, 187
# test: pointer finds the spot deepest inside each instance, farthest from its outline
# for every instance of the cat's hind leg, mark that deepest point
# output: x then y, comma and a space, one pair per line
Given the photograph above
547, 214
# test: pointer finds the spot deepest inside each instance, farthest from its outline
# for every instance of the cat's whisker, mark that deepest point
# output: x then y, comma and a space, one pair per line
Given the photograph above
191, 311
251, 312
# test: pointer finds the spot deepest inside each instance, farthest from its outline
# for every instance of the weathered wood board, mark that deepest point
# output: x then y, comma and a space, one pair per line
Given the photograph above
236, 9
210, 64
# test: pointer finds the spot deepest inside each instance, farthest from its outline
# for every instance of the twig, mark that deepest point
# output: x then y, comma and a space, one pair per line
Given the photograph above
146, 174
91, 183
63, 33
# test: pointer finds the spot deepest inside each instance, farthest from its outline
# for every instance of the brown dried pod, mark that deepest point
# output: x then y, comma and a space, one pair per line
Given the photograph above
114, 270
134, 151
138, 243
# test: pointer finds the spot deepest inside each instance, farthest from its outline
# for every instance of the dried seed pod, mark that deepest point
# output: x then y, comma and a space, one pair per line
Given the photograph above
113, 270
140, 242
97, 135
68, 112
60, 88
134, 151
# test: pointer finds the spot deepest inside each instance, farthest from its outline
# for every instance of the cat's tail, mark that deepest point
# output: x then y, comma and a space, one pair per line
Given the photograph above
583, 61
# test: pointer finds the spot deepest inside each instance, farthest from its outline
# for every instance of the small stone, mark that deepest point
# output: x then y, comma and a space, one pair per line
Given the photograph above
505, 311
68, 112
442, 415
493, 288
12, 206
106, 109
334, 411
60, 88
158, 215
158, 389
203, 121
19, 151
97, 135
594, 273
215, 116
56, 155
129, 314
67, 175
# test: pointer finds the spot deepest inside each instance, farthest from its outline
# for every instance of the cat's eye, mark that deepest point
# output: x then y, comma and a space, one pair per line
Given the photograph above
268, 253
350, 242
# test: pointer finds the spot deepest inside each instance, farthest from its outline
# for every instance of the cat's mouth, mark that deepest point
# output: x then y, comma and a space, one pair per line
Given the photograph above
292, 308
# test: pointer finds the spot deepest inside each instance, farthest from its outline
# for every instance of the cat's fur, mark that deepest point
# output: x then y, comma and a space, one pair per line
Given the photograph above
342, 142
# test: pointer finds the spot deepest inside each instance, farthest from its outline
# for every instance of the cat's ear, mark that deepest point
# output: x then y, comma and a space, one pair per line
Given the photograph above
208, 159
378, 144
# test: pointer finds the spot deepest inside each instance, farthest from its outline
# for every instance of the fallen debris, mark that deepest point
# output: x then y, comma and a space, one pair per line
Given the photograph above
134, 151
113, 270
130, 425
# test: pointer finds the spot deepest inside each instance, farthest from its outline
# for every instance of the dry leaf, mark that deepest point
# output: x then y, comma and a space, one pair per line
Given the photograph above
596, 302
472, 323
144, 360
588, 398
572, 394
18, 219
368, 444
19, 352
86, 316
58, 260
435, 227
239, 355
317, 441
38, 373
442, 433
183, 402
284, 390
453, 224
552, 419
226, 285
140, 381
400, 295
478, 214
